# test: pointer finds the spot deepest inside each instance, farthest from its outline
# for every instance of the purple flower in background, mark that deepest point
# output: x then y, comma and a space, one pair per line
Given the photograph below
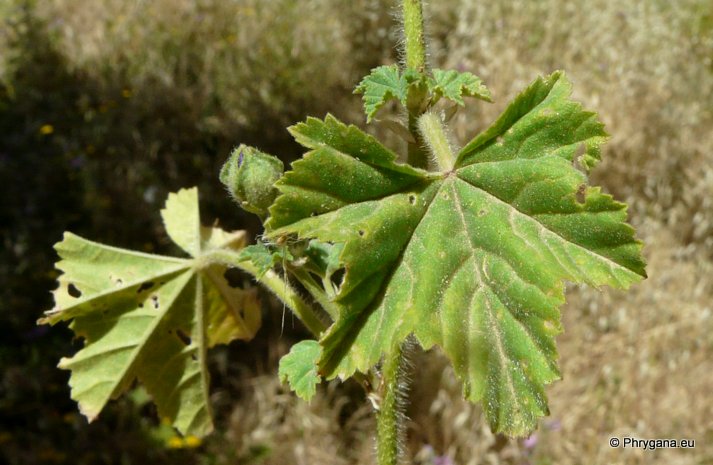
531, 442
442, 460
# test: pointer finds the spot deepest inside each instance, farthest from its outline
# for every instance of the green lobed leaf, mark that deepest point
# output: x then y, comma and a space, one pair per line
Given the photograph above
351, 167
151, 317
454, 85
299, 368
472, 259
264, 258
383, 84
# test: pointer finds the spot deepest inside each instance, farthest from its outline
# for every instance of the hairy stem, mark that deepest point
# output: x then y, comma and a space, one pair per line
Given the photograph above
417, 157
306, 313
434, 135
389, 417
414, 40
281, 288
415, 58
315, 290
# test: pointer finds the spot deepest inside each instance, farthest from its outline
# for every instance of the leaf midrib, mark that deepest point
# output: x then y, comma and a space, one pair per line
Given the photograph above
443, 182
495, 198
134, 357
118, 290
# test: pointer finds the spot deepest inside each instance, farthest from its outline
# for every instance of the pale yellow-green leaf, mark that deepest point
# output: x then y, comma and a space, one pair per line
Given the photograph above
151, 317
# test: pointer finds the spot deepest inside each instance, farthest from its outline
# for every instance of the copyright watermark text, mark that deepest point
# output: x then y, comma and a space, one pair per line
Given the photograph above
628, 442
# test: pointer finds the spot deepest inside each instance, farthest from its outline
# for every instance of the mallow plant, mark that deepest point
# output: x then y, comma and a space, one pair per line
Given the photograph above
465, 248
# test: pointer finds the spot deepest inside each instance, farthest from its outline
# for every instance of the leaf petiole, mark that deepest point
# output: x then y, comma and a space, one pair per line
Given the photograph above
315, 290
278, 286
434, 135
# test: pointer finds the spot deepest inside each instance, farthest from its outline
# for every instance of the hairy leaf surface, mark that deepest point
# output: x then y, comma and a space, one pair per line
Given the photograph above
151, 317
263, 258
454, 86
299, 368
472, 259
381, 85
386, 83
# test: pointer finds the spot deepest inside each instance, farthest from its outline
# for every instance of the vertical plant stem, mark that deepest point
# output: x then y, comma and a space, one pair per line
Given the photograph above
417, 157
415, 58
389, 418
414, 40
434, 135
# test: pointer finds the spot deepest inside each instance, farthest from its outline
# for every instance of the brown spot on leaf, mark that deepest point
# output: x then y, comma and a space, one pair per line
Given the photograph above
183, 337
145, 287
581, 194
73, 291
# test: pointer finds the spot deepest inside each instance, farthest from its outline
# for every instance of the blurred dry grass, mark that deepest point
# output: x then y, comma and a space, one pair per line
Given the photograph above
247, 62
636, 363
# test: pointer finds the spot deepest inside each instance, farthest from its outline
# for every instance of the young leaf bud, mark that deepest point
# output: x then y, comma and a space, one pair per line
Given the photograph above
250, 176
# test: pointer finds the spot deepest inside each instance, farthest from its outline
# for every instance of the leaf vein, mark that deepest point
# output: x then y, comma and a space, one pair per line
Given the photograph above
546, 229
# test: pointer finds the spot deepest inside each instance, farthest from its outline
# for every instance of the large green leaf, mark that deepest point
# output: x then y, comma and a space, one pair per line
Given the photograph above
472, 259
151, 317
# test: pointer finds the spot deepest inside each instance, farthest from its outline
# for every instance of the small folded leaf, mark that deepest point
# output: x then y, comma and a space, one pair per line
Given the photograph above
384, 84
151, 317
264, 258
381, 85
260, 256
299, 368
472, 259
454, 86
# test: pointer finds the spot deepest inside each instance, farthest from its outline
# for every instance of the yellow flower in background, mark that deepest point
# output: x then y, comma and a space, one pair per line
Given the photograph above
189, 442
175, 442
46, 129
192, 441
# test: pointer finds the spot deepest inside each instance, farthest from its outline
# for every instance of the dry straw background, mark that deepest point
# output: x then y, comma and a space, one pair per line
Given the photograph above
636, 363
